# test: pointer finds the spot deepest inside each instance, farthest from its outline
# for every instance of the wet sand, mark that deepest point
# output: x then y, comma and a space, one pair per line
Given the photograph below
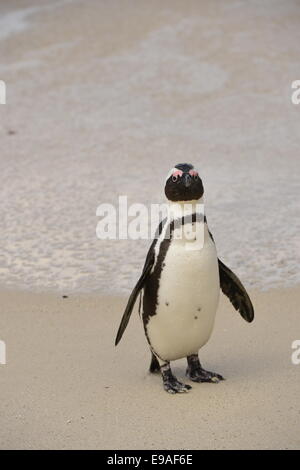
103, 98
66, 386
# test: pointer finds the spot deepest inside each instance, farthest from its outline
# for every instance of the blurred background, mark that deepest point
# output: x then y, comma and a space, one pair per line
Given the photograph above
105, 96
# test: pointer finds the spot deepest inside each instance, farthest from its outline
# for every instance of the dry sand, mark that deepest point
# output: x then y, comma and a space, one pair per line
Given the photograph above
65, 385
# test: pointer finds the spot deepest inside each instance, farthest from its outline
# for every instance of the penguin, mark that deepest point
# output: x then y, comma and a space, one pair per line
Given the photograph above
180, 284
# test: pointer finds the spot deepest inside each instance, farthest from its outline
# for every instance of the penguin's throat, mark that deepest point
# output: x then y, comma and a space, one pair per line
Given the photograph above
180, 209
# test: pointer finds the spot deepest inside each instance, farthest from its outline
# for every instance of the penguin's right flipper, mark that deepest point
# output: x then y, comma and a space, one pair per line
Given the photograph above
139, 285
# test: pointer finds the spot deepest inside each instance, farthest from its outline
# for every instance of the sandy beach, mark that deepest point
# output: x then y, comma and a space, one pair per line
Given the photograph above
103, 98
65, 385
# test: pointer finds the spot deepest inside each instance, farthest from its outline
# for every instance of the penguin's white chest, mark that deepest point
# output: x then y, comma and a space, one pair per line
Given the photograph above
188, 298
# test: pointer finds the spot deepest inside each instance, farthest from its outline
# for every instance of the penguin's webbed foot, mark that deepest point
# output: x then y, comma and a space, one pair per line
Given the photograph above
202, 375
196, 373
173, 385
170, 383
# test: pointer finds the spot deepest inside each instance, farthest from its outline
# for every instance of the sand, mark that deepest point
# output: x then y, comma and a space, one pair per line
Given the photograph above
104, 97
66, 386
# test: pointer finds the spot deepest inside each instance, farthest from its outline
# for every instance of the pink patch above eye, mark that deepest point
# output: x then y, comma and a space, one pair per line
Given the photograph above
177, 173
193, 173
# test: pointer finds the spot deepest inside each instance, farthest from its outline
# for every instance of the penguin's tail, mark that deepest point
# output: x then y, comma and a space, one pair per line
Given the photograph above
154, 365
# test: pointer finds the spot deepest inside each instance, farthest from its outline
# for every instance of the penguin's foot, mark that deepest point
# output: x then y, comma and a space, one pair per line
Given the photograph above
170, 383
202, 375
174, 386
154, 366
196, 373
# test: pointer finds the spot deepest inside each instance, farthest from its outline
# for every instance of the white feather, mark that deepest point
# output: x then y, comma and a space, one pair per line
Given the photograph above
188, 298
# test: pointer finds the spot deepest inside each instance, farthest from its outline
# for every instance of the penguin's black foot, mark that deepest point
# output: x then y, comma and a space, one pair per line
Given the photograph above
154, 366
170, 383
174, 386
197, 374
202, 375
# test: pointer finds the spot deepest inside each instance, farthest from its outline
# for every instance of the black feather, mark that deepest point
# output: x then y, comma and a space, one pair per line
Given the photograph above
131, 301
232, 287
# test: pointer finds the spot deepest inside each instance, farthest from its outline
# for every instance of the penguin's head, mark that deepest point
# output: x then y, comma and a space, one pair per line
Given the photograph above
183, 183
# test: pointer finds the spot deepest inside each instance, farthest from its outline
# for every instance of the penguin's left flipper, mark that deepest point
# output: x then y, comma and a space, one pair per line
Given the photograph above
131, 301
232, 287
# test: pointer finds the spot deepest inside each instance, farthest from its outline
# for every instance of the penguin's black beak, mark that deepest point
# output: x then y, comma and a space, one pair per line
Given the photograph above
187, 180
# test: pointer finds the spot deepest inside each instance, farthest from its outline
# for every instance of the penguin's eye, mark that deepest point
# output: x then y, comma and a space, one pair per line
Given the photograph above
194, 174
177, 174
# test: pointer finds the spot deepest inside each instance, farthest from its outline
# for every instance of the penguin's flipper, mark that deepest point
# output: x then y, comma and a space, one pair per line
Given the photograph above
232, 287
131, 301
140, 284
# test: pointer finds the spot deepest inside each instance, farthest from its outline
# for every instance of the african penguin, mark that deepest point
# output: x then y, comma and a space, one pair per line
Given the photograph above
180, 284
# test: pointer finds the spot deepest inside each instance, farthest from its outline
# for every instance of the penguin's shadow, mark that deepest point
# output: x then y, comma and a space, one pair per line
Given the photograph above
246, 365
234, 366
